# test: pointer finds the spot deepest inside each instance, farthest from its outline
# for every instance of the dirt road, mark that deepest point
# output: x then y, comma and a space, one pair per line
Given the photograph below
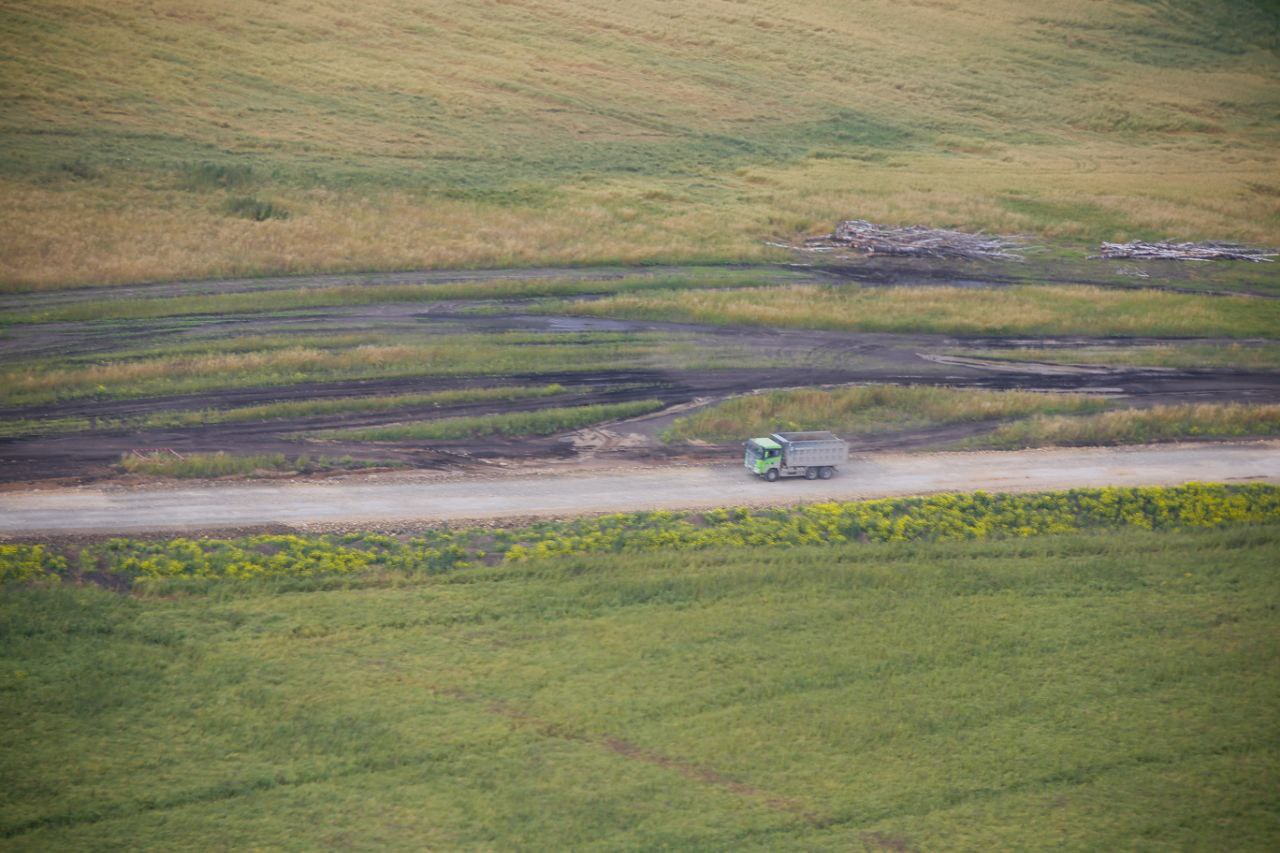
422, 498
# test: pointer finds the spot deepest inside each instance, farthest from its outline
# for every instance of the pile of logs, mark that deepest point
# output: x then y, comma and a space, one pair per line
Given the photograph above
916, 241
1184, 252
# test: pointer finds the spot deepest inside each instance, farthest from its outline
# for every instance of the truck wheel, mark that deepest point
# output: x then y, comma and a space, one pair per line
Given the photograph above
811, 473
826, 473
771, 475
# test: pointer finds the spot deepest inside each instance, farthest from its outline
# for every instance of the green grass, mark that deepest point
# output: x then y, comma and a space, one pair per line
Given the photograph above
1137, 426
1022, 309
1097, 690
221, 464
868, 409
15, 427
141, 146
539, 422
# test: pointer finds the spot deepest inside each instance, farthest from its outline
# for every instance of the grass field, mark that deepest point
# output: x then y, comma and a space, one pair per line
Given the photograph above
147, 142
1089, 690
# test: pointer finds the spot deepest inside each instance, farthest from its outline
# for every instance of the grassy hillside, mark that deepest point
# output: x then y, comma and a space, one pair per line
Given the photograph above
1091, 691
141, 140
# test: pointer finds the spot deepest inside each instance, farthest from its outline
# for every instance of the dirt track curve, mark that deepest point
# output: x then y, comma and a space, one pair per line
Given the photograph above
420, 498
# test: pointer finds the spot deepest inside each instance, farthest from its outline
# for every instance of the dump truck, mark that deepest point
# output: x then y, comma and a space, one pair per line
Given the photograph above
811, 455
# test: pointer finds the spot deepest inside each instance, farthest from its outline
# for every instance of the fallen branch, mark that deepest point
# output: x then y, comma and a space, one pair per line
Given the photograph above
915, 241
1184, 252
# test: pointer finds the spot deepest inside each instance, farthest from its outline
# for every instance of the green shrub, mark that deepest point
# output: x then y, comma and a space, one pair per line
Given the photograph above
247, 207
216, 176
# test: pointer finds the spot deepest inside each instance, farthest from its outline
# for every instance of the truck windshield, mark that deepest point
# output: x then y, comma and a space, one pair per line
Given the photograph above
754, 451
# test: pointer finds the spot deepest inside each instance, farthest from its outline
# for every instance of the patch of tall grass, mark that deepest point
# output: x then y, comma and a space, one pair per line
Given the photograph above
538, 422
1138, 426
1023, 309
867, 409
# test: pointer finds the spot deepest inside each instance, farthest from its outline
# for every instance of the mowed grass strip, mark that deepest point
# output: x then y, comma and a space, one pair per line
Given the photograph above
452, 355
539, 422
290, 410
990, 695
868, 409
1022, 309
1136, 426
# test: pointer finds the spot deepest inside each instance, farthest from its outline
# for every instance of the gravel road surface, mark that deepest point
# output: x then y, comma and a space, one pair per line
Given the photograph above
420, 498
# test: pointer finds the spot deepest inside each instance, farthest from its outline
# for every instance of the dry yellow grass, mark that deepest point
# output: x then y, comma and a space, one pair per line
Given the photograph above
549, 131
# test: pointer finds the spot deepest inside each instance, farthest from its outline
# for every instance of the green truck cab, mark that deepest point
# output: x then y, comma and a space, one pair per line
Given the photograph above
812, 455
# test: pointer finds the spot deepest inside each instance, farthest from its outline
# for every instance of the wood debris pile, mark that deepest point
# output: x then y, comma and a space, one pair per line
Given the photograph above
1184, 252
916, 241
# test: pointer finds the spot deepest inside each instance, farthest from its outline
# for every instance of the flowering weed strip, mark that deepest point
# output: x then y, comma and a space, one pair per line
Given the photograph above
945, 517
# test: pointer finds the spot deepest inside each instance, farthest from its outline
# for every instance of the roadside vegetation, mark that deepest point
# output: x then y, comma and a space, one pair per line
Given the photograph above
221, 464
531, 423
1017, 310
299, 138
868, 409
846, 694
1136, 426
945, 517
